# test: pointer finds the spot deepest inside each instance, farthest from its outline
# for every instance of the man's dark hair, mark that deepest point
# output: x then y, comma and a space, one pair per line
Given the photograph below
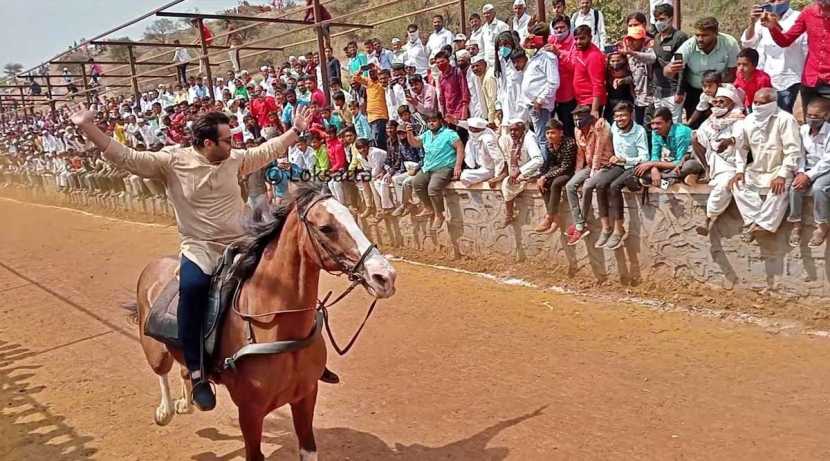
584, 29
412, 27
403, 108
542, 29
207, 127
664, 9
751, 54
624, 106
442, 54
665, 114
708, 23
581, 110
438, 16
435, 116
348, 129
475, 16
712, 76
561, 18
361, 143
640, 17
338, 96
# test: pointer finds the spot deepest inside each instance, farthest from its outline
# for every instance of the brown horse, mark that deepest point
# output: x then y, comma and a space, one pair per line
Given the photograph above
277, 302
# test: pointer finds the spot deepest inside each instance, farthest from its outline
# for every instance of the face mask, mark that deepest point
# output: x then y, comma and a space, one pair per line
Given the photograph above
815, 123
443, 67
504, 51
561, 36
764, 110
475, 136
661, 26
780, 8
537, 41
719, 111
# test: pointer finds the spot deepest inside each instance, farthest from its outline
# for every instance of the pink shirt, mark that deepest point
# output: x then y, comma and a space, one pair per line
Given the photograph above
455, 95
817, 26
589, 75
759, 79
565, 92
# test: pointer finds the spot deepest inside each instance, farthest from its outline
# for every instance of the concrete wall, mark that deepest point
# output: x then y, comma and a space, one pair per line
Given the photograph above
662, 241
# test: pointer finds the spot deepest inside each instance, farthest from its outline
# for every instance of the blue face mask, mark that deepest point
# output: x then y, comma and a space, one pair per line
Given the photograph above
504, 52
780, 8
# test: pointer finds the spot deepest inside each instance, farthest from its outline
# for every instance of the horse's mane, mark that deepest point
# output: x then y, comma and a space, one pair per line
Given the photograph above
266, 225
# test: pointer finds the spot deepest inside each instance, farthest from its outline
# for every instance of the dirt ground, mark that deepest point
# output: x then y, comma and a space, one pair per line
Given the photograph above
453, 367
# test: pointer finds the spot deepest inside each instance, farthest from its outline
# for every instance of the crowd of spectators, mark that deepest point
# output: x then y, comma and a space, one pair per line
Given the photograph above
559, 104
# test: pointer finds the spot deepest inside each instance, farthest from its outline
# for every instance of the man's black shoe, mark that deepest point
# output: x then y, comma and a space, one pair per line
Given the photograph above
203, 396
329, 377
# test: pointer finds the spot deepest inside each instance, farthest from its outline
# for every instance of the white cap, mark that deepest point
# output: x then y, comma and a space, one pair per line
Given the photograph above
515, 121
460, 37
396, 40
519, 3
461, 54
263, 68
487, 8
727, 90
477, 58
477, 122
471, 42
302, 59
292, 58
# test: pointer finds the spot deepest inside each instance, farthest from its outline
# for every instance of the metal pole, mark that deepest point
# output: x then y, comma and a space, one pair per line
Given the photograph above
205, 58
462, 10
133, 79
540, 11
322, 38
23, 102
86, 84
677, 15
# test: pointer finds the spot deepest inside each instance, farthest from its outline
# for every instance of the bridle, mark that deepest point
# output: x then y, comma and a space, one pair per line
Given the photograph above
323, 252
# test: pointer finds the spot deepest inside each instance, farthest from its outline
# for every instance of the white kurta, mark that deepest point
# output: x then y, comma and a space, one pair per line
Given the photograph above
530, 160
776, 147
480, 156
722, 166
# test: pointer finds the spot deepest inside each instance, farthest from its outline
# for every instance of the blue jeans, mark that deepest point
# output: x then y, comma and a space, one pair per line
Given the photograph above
786, 98
540, 119
821, 201
194, 289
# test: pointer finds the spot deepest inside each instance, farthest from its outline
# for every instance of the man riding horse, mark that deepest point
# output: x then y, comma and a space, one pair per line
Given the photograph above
202, 184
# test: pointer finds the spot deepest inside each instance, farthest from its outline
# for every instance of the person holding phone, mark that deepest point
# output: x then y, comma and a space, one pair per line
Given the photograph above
784, 65
667, 91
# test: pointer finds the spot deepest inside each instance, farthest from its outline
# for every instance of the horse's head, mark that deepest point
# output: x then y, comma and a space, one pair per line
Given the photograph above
340, 245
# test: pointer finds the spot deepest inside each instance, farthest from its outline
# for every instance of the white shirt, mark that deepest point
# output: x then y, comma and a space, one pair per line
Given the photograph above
477, 106
476, 36
438, 40
530, 158
509, 89
597, 30
395, 97
416, 55
482, 151
373, 161
775, 145
784, 65
303, 159
489, 32
520, 25
182, 55
710, 138
816, 158
540, 80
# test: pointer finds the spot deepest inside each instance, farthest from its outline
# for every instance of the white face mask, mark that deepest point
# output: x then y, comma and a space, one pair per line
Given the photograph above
475, 136
764, 110
719, 111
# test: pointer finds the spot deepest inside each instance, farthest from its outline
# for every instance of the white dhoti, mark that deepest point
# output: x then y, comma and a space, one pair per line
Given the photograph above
511, 191
475, 176
720, 196
386, 193
336, 189
766, 213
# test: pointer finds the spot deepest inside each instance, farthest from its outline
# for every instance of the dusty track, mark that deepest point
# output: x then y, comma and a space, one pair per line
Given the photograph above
454, 367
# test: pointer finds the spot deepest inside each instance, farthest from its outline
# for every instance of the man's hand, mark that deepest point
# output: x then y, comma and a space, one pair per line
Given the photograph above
736, 180
642, 169
83, 117
724, 144
756, 12
679, 98
769, 20
456, 173
541, 184
802, 182
595, 114
613, 160
302, 119
675, 67
778, 186
451, 119
514, 178
656, 177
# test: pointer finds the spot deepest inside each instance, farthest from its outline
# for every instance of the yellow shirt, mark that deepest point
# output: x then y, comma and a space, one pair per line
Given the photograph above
120, 133
206, 197
376, 108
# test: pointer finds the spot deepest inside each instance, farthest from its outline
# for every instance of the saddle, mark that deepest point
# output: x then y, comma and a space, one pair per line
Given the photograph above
162, 323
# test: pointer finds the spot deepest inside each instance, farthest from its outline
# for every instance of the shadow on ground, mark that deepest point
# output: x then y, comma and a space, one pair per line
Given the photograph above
28, 429
345, 443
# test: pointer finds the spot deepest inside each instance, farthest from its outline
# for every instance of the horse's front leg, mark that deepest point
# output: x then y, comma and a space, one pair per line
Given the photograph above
250, 421
303, 413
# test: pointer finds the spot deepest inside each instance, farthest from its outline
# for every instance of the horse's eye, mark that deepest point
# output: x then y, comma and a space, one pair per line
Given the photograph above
326, 229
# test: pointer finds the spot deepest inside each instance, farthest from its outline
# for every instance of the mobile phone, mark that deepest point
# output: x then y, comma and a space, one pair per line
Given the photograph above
678, 57
365, 68
766, 7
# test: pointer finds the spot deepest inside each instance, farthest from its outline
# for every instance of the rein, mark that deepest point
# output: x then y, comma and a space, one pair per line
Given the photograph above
352, 273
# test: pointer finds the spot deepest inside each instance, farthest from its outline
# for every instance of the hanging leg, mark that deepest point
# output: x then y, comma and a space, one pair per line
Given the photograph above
250, 421
303, 414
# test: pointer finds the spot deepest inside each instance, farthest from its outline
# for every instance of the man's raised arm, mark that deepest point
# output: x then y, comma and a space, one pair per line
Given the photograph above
144, 164
257, 157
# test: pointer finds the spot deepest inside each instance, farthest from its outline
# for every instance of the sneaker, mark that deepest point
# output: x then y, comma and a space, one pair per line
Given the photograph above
603, 238
203, 397
615, 241
575, 235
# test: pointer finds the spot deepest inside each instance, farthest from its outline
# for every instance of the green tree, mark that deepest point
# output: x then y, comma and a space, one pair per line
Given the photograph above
160, 30
12, 69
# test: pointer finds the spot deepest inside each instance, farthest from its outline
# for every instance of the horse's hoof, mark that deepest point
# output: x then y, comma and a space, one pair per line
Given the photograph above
183, 407
164, 415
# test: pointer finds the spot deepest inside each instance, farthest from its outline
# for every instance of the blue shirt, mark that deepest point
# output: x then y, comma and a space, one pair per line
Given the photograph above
630, 145
439, 151
361, 127
357, 62
280, 178
676, 144
288, 115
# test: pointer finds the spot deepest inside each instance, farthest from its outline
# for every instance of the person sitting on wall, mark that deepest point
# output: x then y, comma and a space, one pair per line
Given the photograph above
558, 168
481, 153
669, 144
443, 160
773, 138
813, 174
715, 143
520, 162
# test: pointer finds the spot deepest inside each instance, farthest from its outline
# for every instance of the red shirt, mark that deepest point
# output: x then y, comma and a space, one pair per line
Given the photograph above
817, 26
565, 92
759, 79
208, 34
589, 76
318, 97
261, 107
337, 154
455, 95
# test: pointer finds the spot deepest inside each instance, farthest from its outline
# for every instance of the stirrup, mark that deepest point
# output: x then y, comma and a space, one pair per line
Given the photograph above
203, 395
